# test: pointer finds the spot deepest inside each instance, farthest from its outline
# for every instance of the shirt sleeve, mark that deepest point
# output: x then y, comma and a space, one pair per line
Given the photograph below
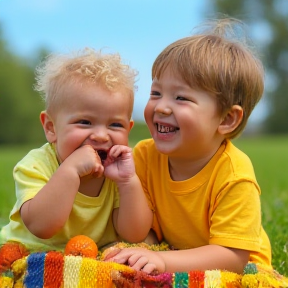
32, 173
235, 216
142, 161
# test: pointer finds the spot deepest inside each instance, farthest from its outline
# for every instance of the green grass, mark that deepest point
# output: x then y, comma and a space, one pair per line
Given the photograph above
9, 156
139, 131
270, 159
269, 156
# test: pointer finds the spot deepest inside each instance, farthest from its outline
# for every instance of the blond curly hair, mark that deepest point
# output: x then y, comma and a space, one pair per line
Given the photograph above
85, 66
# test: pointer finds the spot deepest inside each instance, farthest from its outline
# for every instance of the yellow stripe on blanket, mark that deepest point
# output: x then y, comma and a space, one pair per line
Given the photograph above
55, 270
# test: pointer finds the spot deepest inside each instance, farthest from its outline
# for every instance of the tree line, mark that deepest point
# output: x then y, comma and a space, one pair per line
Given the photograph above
270, 20
20, 105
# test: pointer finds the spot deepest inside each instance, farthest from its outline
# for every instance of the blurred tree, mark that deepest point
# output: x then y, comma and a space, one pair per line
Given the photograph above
269, 22
20, 105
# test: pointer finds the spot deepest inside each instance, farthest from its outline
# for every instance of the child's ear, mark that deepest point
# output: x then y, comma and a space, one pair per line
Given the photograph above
48, 126
231, 121
131, 124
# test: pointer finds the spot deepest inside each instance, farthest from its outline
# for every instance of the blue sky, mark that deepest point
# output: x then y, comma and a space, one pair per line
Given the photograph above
137, 29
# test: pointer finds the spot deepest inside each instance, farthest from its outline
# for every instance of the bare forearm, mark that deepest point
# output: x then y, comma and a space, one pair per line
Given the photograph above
207, 257
134, 216
48, 211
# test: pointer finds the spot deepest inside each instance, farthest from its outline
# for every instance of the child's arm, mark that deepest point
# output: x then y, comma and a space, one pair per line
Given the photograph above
47, 212
203, 258
133, 218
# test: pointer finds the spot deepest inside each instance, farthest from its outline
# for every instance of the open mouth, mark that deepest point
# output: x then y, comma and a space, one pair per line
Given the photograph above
166, 129
102, 154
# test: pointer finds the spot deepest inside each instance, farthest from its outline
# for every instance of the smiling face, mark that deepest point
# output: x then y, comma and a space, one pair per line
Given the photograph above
89, 114
182, 121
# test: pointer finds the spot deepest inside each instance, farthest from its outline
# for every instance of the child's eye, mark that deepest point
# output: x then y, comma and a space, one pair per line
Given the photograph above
84, 122
154, 93
116, 124
181, 98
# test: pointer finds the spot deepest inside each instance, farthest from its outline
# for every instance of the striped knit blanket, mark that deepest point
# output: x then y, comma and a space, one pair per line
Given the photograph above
52, 269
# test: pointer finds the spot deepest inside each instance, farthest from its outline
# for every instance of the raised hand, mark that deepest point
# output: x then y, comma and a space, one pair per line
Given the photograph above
86, 161
119, 165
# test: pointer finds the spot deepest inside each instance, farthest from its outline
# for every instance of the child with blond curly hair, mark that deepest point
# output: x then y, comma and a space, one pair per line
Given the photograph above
83, 180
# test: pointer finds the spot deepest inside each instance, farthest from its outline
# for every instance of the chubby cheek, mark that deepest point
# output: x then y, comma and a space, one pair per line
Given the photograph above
120, 138
66, 147
63, 151
148, 115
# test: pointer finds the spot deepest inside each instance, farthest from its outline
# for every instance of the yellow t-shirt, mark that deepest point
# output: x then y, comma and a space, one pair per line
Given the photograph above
91, 216
219, 205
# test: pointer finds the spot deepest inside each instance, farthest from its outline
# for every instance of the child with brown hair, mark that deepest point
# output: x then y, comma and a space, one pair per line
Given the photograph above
201, 188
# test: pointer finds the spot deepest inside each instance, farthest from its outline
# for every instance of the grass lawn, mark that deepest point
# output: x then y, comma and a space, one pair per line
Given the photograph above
9, 157
268, 154
270, 158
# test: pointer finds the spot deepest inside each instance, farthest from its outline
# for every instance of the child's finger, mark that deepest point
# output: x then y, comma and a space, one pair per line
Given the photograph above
137, 262
98, 172
113, 251
150, 268
118, 150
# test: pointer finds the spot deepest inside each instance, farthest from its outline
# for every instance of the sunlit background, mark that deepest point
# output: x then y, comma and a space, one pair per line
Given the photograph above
138, 30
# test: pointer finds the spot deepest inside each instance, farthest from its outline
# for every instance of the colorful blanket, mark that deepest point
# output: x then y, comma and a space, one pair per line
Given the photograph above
20, 268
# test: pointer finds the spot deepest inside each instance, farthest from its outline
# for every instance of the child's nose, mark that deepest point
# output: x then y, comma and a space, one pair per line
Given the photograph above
163, 108
99, 135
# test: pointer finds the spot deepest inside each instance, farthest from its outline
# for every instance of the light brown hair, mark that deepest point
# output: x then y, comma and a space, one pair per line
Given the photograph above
216, 62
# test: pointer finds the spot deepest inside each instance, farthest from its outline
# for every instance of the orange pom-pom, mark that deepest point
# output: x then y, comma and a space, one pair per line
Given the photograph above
10, 252
81, 245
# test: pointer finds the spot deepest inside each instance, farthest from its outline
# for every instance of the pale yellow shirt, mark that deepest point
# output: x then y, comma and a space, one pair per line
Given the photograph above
91, 216
219, 205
